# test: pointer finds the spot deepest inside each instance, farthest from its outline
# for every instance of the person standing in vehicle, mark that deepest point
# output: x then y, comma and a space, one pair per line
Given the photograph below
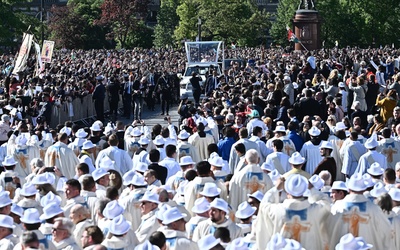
196, 88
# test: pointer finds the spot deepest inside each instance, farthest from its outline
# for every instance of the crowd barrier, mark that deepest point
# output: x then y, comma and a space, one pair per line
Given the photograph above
78, 109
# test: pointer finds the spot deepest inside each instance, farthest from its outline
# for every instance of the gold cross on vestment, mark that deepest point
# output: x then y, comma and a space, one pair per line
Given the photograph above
295, 227
354, 218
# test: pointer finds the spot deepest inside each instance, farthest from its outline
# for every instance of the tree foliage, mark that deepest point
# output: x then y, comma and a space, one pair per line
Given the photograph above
167, 20
227, 20
142, 37
123, 17
353, 23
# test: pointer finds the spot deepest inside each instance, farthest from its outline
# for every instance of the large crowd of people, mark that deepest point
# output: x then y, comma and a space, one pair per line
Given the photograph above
283, 150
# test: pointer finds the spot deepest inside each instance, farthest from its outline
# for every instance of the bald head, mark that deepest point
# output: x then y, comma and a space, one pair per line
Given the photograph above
79, 213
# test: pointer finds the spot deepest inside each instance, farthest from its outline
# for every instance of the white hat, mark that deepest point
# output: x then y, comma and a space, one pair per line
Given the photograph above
326, 144
348, 242
159, 140
31, 216
147, 246
138, 180
21, 140
141, 167
277, 242
314, 131
378, 190
183, 135
371, 143
127, 177
316, 181
245, 210
280, 129
274, 175
162, 208
100, 123
201, 120
81, 133
15, 209
208, 242
267, 166
172, 215
375, 169
108, 129
339, 185
357, 183
210, 190
296, 159
66, 130
395, 194
296, 185
28, 189
51, 210
4, 199
237, 244
50, 197
151, 197
220, 204
201, 205
44, 179
136, 132
88, 144
368, 180
143, 140
186, 160
98, 173
257, 195
341, 85
295, 85
95, 127
292, 245
119, 225
216, 161
112, 210
363, 244
106, 163
6, 221
9, 161
340, 126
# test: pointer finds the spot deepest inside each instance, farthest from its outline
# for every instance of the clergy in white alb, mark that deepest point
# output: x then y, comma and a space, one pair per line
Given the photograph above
310, 150
278, 159
367, 159
352, 154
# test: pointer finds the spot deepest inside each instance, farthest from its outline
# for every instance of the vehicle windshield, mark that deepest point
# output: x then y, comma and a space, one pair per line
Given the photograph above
201, 70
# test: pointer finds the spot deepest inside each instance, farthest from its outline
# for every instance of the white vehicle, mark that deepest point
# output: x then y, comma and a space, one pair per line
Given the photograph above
202, 58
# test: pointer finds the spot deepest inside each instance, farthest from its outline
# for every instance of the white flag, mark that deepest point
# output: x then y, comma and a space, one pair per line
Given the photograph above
23, 54
39, 64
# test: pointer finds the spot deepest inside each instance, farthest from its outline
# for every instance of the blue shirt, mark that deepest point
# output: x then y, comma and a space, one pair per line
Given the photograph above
297, 140
224, 147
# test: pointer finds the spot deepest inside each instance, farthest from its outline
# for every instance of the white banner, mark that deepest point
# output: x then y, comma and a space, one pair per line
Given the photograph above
39, 63
47, 51
23, 54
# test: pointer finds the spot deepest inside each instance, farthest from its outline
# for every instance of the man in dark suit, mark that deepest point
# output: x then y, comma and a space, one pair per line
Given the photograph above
113, 97
212, 83
308, 106
151, 82
165, 88
139, 93
98, 96
127, 95
162, 172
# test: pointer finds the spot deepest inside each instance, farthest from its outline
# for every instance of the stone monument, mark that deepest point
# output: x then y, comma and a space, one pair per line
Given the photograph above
307, 26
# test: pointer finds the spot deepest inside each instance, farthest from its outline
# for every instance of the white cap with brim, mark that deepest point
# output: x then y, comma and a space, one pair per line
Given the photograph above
395, 194
280, 129
172, 215
208, 242
326, 144
267, 166
371, 143
257, 195
112, 210
88, 145
51, 210
277, 242
186, 160
6, 221
159, 140
141, 167
357, 183
245, 210
378, 190
98, 173
119, 226
9, 161
183, 135
314, 131
339, 185
31, 216
81, 133
316, 181
296, 159
220, 204
296, 185
150, 197
216, 161
15, 209
238, 244
210, 190
375, 169
28, 189
201, 205
5, 199
50, 197
147, 246
143, 140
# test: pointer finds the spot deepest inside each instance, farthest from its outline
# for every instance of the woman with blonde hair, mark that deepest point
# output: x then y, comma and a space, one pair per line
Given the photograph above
387, 104
331, 122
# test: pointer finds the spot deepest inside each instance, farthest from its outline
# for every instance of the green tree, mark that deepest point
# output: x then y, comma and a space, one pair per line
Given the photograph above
142, 37
167, 20
187, 12
285, 13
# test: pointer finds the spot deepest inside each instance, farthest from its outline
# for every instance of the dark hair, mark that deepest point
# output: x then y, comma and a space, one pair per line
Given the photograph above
157, 239
222, 233
378, 118
170, 150
88, 183
278, 143
211, 148
96, 234
229, 132
293, 126
112, 193
257, 130
190, 174
243, 133
390, 175
154, 155
384, 201
240, 148
203, 168
74, 183
83, 167
386, 132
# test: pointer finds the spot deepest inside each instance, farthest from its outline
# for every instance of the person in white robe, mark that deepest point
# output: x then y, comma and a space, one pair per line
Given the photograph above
174, 231
88, 192
7, 239
80, 138
310, 150
23, 153
72, 190
80, 215
218, 218
233, 156
95, 137
141, 155
357, 215
62, 157
395, 195
295, 218
245, 214
367, 159
10, 180
255, 121
186, 163
278, 159
85, 155
184, 148
390, 148
102, 179
201, 140
248, 180
131, 138
194, 187
352, 153
28, 192
288, 146
200, 210
337, 145
118, 237
149, 224
169, 161
256, 137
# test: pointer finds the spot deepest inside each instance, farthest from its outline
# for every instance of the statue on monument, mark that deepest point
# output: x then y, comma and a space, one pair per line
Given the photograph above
306, 5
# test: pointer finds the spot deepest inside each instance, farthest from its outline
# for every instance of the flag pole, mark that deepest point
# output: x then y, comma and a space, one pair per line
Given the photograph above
303, 46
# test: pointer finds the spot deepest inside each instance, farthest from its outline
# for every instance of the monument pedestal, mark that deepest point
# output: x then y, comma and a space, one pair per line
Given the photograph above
307, 27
